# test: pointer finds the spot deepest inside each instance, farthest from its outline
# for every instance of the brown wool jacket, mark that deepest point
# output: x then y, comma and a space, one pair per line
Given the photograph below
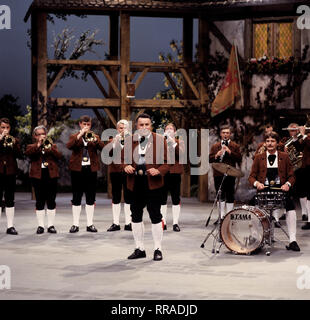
259, 169
36, 157
154, 182
116, 152
231, 159
176, 168
77, 146
8, 158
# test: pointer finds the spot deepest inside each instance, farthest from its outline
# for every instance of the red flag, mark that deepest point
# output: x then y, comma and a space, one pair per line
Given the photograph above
230, 89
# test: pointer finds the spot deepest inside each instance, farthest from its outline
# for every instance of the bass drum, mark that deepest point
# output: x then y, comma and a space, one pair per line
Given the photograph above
245, 229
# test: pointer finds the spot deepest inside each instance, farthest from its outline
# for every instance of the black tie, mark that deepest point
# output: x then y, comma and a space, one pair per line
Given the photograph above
143, 141
271, 159
225, 142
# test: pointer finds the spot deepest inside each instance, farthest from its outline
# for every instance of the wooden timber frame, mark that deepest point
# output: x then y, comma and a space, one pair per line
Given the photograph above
120, 70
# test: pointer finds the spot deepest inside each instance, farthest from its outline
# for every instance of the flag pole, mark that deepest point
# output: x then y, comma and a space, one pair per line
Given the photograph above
241, 90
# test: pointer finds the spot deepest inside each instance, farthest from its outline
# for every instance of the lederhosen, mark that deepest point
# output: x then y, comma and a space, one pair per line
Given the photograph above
118, 180
142, 195
7, 178
84, 181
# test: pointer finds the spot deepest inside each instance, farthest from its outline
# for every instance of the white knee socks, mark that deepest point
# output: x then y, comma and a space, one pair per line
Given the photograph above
176, 209
222, 209
40, 217
127, 213
157, 232
9, 216
229, 206
116, 210
76, 211
138, 234
291, 224
89, 214
163, 211
308, 209
50, 217
303, 204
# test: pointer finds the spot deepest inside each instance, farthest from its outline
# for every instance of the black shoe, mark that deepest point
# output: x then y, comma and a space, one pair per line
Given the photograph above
11, 231
51, 229
128, 227
165, 227
176, 228
114, 227
304, 217
306, 226
293, 246
158, 255
283, 217
137, 254
40, 230
277, 224
74, 229
91, 229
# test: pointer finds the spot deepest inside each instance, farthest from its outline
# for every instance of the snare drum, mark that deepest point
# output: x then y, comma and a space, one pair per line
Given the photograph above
245, 229
269, 200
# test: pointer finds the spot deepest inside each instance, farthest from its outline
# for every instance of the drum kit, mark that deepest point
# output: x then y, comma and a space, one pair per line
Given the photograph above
245, 229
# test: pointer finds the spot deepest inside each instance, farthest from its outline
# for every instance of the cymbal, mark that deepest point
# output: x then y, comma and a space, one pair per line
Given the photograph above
228, 169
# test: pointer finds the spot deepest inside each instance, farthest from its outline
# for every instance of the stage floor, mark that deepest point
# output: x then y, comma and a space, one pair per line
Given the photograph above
95, 266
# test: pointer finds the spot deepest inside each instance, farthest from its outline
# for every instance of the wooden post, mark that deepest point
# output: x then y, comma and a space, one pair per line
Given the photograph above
125, 63
187, 92
203, 56
114, 46
297, 54
41, 68
248, 53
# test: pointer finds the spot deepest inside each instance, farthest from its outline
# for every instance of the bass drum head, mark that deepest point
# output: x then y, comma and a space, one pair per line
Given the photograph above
243, 229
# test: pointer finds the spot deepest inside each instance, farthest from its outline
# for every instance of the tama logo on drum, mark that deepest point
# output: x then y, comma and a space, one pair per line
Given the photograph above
239, 216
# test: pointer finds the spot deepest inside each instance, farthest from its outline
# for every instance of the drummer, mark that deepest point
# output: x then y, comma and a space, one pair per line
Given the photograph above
273, 169
225, 151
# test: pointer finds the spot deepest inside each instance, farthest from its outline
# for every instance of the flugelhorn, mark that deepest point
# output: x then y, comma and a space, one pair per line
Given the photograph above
47, 143
90, 136
8, 141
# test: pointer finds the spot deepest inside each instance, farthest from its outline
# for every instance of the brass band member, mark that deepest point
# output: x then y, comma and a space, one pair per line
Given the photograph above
274, 168
44, 173
119, 180
228, 152
261, 148
173, 177
84, 164
294, 146
9, 151
306, 165
145, 177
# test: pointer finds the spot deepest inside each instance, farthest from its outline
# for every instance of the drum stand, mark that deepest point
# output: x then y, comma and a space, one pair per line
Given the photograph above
270, 240
215, 232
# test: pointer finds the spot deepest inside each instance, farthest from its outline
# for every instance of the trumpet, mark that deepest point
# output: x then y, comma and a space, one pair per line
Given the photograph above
8, 141
90, 136
47, 144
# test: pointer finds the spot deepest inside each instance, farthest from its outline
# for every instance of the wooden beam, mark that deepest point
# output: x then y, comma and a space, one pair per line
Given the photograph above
56, 80
84, 62
42, 66
132, 75
100, 118
223, 40
125, 62
163, 103
111, 81
99, 84
190, 83
173, 85
248, 52
297, 54
75, 103
141, 77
